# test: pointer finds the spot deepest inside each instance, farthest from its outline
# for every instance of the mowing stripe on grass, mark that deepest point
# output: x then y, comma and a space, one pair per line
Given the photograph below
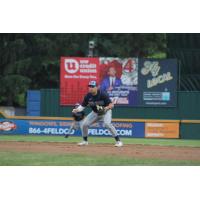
99, 140
44, 159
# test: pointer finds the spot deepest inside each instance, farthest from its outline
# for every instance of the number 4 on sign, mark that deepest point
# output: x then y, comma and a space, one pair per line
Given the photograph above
128, 67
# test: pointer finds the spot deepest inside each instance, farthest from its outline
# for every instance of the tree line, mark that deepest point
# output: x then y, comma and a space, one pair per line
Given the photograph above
31, 61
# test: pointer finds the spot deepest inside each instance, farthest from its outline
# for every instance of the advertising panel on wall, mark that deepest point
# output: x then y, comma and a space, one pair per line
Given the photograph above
158, 82
128, 81
60, 127
119, 78
161, 130
75, 73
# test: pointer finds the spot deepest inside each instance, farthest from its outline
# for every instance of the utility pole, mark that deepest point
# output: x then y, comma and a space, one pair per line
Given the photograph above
91, 48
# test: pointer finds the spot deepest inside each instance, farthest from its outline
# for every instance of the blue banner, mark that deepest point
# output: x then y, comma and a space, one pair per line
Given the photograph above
158, 82
60, 127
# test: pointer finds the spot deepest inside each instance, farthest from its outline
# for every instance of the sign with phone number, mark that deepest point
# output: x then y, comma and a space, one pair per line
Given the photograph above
59, 127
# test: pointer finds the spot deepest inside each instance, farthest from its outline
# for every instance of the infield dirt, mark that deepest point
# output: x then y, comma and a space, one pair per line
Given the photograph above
129, 150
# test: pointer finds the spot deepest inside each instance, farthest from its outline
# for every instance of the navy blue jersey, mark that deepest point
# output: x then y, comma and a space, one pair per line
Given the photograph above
100, 99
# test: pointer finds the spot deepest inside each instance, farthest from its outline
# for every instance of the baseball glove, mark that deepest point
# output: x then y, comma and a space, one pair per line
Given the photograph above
100, 110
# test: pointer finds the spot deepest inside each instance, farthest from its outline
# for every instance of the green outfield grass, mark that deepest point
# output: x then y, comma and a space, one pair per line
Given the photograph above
98, 140
44, 159
47, 159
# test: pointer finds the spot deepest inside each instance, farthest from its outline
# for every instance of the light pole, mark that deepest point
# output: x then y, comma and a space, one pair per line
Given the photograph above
91, 48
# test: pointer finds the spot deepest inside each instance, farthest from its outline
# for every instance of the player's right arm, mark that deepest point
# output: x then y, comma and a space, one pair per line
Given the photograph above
79, 109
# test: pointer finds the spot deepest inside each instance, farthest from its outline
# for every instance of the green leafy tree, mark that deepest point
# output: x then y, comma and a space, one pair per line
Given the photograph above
12, 62
31, 61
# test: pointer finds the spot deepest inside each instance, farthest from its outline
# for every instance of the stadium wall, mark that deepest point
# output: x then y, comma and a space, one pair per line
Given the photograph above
187, 108
133, 128
187, 111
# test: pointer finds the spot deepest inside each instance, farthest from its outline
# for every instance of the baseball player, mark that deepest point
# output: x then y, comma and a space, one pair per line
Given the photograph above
77, 121
101, 106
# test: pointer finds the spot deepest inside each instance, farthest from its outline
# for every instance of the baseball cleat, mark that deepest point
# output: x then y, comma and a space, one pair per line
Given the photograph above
119, 144
83, 143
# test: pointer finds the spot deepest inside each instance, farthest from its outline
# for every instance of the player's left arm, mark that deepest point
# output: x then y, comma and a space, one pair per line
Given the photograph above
109, 107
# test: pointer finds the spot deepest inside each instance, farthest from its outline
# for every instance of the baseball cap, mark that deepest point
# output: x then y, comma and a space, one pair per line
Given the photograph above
92, 84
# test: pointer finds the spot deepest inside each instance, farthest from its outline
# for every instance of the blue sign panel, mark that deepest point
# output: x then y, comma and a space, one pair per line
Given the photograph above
60, 127
158, 82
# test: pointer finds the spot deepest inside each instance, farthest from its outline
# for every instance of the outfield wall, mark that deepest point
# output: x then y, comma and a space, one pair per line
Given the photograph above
190, 129
187, 108
137, 128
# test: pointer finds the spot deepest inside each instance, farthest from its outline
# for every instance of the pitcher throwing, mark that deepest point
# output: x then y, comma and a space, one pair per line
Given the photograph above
101, 106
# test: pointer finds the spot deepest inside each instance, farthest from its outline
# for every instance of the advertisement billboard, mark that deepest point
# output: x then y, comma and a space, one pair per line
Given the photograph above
75, 73
161, 130
60, 127
128, 81
119, 78
158, 82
